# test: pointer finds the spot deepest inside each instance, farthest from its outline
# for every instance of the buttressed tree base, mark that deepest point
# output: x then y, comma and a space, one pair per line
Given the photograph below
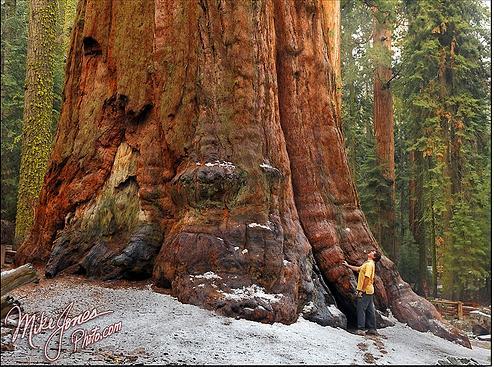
200, 144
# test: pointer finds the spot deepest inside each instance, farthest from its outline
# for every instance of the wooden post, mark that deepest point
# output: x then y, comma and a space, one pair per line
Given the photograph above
3, 248
460, 311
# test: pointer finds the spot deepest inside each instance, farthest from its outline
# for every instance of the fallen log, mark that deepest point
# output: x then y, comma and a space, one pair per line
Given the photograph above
12, 279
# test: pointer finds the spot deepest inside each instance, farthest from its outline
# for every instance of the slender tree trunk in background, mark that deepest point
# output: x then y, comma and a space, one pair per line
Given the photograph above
415, 215
332, 29
38, 104
433, 244
452, 124
211, 158
418, 223
412, 196
452, 144
446, 154
434, 251
383, 130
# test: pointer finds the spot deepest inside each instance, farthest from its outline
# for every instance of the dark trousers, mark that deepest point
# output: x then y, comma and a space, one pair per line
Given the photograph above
366, 313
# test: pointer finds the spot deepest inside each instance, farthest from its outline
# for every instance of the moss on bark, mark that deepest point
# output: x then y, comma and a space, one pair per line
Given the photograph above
38, 105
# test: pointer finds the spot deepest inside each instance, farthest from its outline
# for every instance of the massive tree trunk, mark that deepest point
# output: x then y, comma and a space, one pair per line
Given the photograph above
38, 105
199, 144
383, 130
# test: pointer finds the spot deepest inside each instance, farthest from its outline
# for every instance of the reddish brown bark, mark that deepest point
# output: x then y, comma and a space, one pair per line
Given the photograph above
210, 158
332, 30
383, 130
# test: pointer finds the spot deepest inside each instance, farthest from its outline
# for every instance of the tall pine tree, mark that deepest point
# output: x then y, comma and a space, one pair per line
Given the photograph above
445, 89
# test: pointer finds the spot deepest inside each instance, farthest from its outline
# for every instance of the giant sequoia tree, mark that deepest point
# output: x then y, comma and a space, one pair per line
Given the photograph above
199, 144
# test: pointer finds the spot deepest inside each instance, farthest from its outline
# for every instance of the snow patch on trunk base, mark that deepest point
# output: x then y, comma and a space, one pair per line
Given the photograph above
252, 292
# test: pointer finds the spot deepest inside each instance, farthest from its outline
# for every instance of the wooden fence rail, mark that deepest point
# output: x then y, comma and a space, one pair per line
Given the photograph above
455, 309
450, 308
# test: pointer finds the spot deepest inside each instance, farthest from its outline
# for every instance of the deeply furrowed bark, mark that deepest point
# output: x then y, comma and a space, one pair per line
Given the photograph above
211, 158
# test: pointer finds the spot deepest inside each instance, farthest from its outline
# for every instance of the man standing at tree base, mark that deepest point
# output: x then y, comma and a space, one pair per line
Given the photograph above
366, 313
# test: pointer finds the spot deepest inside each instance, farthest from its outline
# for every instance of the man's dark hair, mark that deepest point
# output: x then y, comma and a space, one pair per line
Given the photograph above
377, 256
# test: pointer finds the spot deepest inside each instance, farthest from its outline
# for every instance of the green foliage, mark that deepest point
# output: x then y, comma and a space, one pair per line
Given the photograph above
409, 259
445, 88
467, 260
359, 59
14, 48
357, 74
373, 189
442, 113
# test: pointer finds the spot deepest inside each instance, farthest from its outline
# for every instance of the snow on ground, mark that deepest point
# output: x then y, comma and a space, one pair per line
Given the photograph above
157, 329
